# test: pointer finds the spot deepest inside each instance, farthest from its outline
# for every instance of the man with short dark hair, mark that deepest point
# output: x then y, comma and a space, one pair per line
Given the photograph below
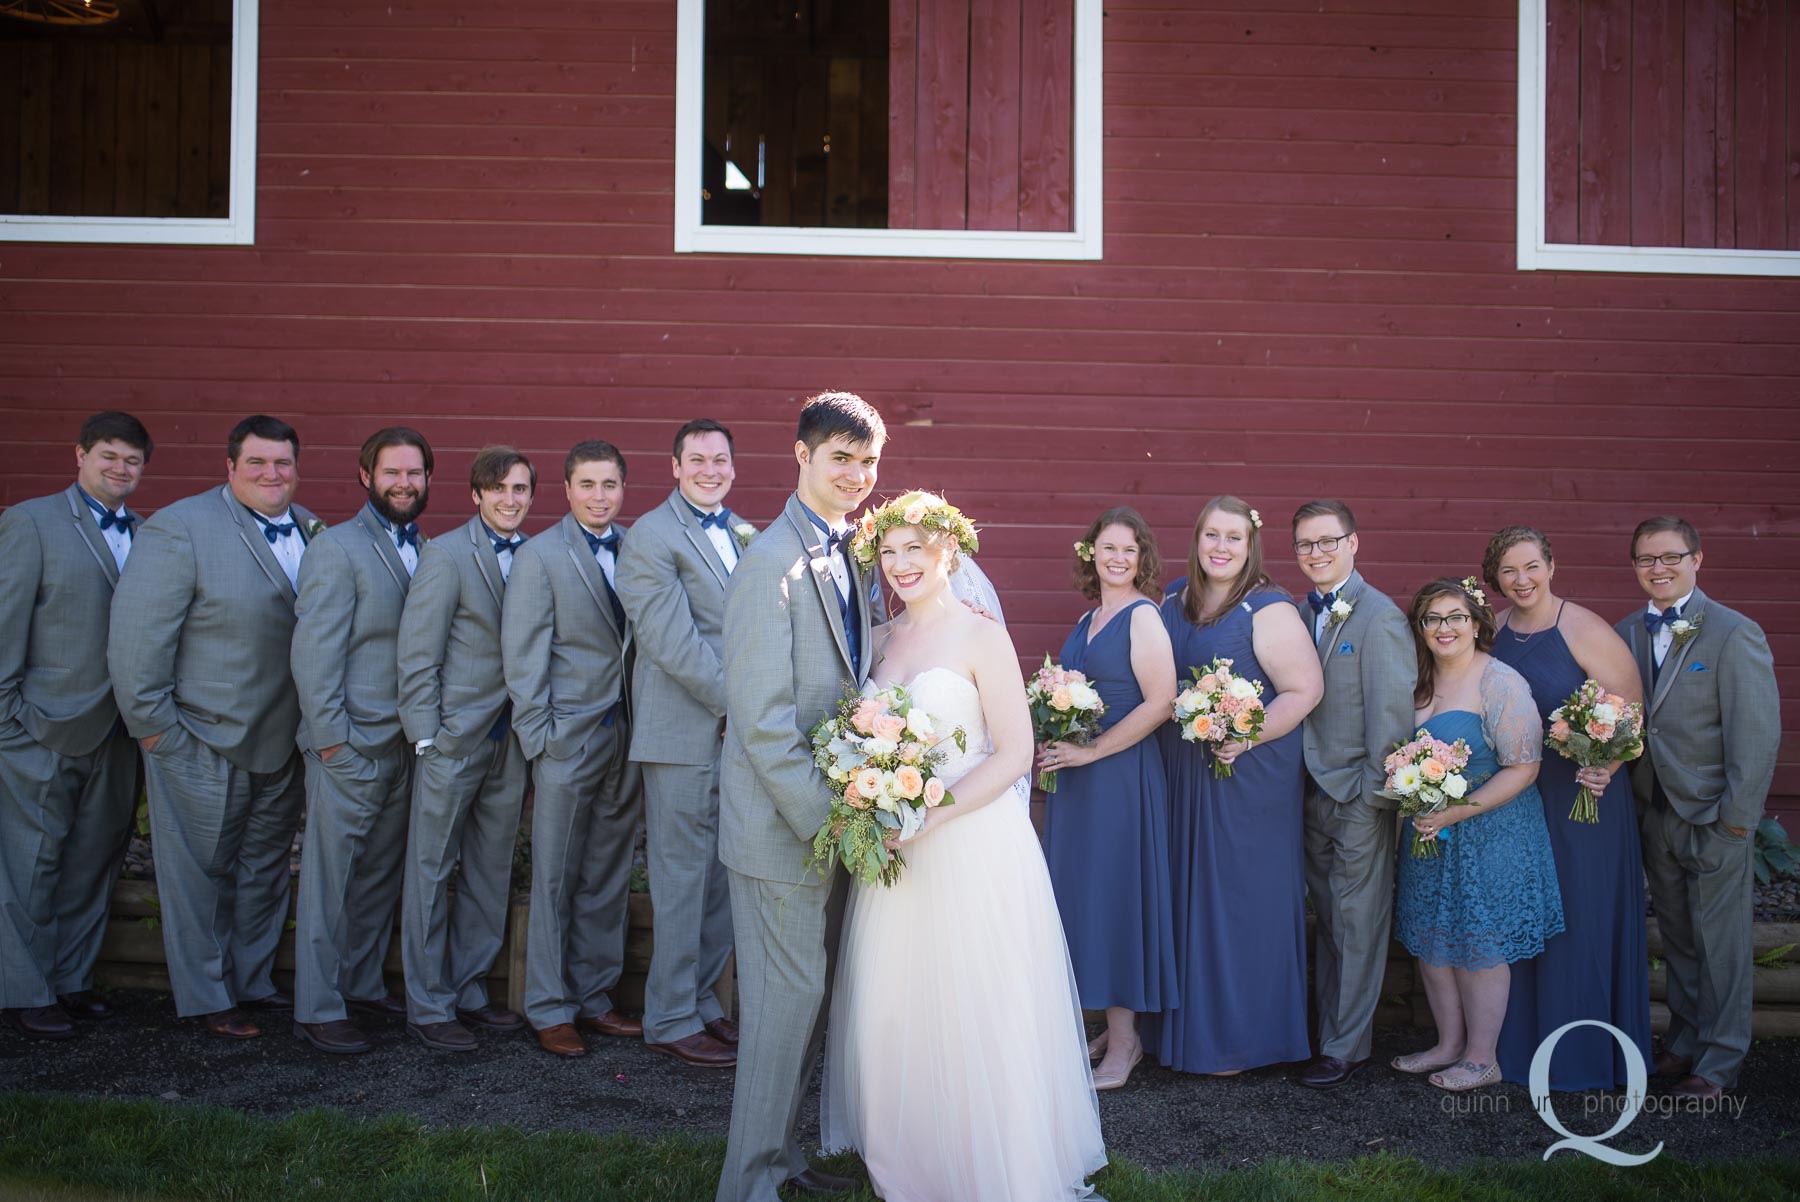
565, 645
672, 579
67, 767
353, 587
198, 650
469, 771
1712, 726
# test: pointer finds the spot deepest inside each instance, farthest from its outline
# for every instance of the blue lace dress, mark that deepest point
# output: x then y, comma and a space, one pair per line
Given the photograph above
1106, 838
1490, 896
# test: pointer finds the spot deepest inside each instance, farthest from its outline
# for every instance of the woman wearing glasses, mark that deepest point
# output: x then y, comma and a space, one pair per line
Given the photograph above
1599, 967
1489, 897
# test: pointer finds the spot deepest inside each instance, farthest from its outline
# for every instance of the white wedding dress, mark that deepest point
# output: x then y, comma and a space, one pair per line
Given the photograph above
955, 1060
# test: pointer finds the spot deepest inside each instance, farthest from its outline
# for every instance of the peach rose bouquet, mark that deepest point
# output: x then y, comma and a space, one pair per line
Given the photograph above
1220, 705
1426, 776
1065, 708
879, 755
1595, 727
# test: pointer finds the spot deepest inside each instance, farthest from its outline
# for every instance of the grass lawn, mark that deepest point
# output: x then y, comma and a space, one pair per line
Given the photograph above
66, 1150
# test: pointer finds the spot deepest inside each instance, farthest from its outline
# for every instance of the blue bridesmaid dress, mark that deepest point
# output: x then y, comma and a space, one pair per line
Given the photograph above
1236, 874
1106, 838
1599, 967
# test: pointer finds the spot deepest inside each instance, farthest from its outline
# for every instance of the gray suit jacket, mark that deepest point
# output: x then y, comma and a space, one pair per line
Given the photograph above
352, 589
564, 654
201, 623
1713, 719
1370, 669
672, 583
787, 665
452, 686
55, 603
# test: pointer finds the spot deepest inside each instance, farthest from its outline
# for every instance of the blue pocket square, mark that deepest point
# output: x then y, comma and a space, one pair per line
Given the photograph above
1346, 648
1696, 667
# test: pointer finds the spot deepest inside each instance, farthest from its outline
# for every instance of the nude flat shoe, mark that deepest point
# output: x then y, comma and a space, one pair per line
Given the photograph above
1411, 1063
1487, 1075
1109, 1081
1097, 1046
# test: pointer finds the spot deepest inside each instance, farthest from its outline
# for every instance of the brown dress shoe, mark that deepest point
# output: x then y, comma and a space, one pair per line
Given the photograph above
816, 1181
723, 1030
610, 1023
232, 1024
1668, 1064
85, 1005
1695, 1086
1327, 1072
40, 1022
445, 1036
495, 1018
699, 1049
562, 1040
278, 1000
340, 1037
388, 1006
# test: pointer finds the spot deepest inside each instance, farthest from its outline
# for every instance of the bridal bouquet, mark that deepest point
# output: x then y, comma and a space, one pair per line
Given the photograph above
1064, 709
1218, 706
1425, 776
1595, 727
879, 755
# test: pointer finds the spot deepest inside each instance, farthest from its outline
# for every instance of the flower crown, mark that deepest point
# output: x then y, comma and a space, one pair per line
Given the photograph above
927, 511
1084, 551
1472, 586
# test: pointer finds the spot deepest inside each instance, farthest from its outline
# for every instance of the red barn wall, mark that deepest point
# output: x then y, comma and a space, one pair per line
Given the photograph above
464, 223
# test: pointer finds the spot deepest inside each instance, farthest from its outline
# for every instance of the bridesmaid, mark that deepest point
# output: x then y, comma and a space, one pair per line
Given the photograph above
1488, 899
1599, 966
1236, 844
1106, 834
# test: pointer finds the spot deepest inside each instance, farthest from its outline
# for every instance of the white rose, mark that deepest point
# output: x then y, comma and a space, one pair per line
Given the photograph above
875, 748
1241, 689
1455, 785
1680, 626
885, 800
1407, 780
1606, 713
838, 774
1340, 609
918, 723
1084, 696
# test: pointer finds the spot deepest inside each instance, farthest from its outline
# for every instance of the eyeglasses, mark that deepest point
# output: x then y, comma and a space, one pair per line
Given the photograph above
1667, 559
1323, 544
1454, 621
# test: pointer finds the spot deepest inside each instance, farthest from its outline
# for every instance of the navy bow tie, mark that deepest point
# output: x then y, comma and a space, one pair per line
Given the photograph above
596, 542
716, 521
1654, 621
835, 539
275, 530
109, 521
503, 545
1320, 604
408, 533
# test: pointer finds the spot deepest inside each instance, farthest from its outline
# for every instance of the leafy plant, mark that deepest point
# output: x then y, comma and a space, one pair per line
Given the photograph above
1773, 854
1776, 957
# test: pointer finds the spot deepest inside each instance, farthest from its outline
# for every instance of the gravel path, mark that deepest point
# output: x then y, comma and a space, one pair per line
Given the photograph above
1161, 1119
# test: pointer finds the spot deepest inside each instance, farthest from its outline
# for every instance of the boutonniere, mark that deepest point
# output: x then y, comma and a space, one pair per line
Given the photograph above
743, 532
1340, 612
1684, 629
314, 528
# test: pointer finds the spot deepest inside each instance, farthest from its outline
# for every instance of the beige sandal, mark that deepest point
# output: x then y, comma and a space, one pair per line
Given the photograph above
1411, 1063
1484, 1075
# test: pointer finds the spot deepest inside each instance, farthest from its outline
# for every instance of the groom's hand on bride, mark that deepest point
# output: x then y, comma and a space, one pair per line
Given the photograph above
979, 612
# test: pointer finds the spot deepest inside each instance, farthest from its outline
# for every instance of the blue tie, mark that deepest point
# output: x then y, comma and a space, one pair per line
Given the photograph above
1320, 604
408, 533
610, 542
502, 545
836, 541
274, 530
715, 521
108, 519
1654, 621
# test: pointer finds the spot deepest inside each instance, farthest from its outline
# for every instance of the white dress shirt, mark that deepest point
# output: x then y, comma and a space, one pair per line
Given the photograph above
1665, 638
117, 541
1322, 619
288, 548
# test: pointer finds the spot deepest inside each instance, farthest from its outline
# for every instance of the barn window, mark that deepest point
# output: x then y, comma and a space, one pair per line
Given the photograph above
1659, 136
128, 120
945, 128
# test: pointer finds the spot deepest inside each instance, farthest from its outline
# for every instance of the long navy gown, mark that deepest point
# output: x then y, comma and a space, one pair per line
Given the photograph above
1599, 967
1106, 838
1236, 875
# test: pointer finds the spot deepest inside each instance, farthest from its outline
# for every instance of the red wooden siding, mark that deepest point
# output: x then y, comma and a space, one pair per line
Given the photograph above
465, 217
1673, 123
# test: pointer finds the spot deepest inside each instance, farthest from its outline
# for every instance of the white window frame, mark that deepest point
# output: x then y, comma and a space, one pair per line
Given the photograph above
692, 236
1538, 253
237, 229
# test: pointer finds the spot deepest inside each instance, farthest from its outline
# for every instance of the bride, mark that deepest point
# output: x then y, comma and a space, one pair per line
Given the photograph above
955, 1060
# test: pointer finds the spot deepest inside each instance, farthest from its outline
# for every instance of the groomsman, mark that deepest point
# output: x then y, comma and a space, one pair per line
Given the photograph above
68, 770
565, 643
1712, 727
198, 652
469, 777
672, 577
358, 767
1366, 652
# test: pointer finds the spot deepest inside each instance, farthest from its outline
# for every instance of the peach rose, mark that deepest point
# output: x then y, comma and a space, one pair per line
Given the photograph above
1061, 700
853, 797
891, 727
915, 513
1208, 683
910, 753
1600, 730
1432, 770
909, 782
1245, 722
868, 525
934, 792
864, 715
1201, 727
868, 782
1559, 730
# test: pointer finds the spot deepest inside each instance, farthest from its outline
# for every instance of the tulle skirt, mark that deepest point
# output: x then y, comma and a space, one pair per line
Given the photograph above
956, 1061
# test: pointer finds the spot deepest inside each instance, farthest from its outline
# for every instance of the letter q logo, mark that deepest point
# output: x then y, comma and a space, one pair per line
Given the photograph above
1636, 1080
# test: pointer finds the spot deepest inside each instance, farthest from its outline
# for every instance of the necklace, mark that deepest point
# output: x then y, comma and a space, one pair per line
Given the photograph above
1528, 636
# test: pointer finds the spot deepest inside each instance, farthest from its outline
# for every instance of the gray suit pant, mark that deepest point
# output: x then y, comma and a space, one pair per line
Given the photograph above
465, 815
1700, 882
691, 898
350, 877
64, 823
1350, 878
583, 823
787, 939
223, 838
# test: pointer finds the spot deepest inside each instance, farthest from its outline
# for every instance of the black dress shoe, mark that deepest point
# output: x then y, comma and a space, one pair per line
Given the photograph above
273, 1001
40, 1022
495, 1018
388, 1006
1324, 1072
339, 1037
443, 1037
816, 1181
85, 1005
1668, 1064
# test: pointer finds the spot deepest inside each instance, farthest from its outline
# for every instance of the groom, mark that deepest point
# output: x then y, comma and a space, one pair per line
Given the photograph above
796, 638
